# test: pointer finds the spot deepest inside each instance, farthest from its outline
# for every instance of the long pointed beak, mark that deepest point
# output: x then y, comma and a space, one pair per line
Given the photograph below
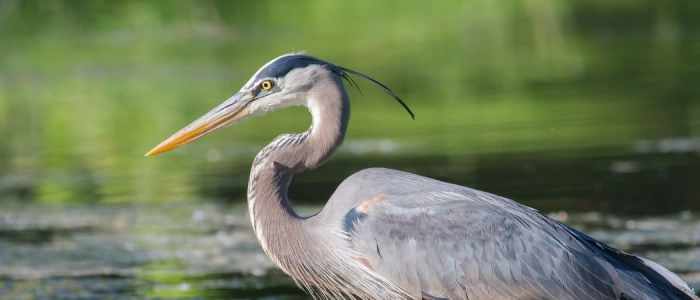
228, 112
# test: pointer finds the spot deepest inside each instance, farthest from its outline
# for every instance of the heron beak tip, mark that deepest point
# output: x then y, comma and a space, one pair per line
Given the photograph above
163, 147
152, 152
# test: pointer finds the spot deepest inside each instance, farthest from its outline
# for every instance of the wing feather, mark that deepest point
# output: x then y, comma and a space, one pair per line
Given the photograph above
448, 241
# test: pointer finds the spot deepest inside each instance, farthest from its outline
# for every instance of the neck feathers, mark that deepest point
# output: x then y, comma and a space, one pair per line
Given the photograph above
330, 112
278, 228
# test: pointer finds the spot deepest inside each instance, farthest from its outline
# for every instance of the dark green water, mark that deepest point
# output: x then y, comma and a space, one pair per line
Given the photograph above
206, 251
587, 110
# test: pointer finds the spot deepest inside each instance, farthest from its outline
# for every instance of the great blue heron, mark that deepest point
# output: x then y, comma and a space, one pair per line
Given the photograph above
388, 234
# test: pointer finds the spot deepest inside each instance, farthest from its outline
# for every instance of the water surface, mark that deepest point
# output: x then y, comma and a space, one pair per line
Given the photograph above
185, 251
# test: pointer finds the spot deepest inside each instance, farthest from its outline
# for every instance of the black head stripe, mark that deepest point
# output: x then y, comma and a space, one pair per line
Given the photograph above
283, 65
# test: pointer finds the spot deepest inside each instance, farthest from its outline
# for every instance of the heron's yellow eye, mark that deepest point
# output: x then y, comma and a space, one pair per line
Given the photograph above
267, 85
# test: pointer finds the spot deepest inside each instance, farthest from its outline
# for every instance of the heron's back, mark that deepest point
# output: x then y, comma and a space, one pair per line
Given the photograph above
439, 240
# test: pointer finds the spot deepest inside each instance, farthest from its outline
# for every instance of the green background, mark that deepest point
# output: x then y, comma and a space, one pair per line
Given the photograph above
86, 87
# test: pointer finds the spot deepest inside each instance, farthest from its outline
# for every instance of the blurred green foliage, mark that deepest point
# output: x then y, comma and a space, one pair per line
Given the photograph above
86, 87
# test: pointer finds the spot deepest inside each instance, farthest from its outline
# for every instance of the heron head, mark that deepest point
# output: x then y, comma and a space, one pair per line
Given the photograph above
282, 82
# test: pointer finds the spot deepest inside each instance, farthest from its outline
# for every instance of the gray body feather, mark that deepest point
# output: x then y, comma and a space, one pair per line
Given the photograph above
443, 241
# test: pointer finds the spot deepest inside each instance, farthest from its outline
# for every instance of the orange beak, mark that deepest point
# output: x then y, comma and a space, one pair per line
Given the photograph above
227, 113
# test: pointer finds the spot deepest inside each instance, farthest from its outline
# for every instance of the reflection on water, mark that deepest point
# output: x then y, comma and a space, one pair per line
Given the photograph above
187, 251
96, 252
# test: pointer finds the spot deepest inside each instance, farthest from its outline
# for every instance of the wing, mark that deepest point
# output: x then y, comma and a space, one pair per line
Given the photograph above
443, 241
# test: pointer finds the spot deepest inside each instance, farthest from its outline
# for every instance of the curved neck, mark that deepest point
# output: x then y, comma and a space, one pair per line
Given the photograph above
278, 228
